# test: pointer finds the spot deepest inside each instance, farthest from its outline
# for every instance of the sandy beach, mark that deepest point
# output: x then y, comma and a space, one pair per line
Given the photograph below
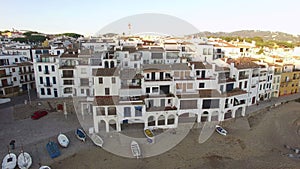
255, 141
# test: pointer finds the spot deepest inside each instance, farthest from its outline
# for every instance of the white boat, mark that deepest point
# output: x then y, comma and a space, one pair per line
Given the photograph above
63, 140
135, 149
9, 161
220, 130
44, 167
24, 160
97, 140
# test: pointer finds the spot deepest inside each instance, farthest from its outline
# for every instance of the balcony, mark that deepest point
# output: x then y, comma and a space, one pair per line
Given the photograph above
48, 85
167, 108
5, 75
67, 76
67, 67
26, 72
242, 77
6, 85
162, 79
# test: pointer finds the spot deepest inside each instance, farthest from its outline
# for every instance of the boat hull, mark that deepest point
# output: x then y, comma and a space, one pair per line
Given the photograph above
80, 134
9, 161
97, 140
135, 149
63, 140
24, 160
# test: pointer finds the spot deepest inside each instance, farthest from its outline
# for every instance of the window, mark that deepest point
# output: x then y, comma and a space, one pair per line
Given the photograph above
41, 80
246, 84
155, 90
53, 68
15, 79
82, 91
127, 112
201, 85
48, 91
125, 64
198, 72
40, 68
100, 80
42, 91
148, 76
113, 80
106, 91
138, 111
148, 90
16, 60
13, 69
54, 80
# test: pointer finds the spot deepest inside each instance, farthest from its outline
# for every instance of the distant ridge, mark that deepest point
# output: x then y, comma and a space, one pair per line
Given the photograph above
266, 35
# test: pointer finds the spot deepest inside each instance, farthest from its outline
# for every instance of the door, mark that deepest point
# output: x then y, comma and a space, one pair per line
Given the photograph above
55, 93
161, 75
47, 81
162, 103
203, 74
253, 100
152, 75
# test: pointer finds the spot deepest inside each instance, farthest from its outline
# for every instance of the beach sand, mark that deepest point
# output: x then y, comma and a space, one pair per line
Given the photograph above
254, 141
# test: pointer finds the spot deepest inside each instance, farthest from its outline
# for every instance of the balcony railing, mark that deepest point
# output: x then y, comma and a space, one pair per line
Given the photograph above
46, 72
6, 85
5, 75
67, 76
167, 108
48, 85
27, 72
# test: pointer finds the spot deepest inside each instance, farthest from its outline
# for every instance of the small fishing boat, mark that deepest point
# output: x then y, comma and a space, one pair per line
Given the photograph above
24, 160
220, 130
44, 167
53, 149
80, 134
97, 140
63, 140
9, 161
135, 149
148, 133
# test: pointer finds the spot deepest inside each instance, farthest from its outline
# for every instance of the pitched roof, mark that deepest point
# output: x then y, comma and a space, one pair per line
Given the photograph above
201, 65
180, 66
106, 72
128, 74
156, 67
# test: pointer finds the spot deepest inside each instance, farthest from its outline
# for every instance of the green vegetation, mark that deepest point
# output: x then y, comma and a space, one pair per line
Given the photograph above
74, 35
261, 43
31, 37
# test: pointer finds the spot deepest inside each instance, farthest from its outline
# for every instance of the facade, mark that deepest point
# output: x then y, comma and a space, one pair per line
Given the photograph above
16, 74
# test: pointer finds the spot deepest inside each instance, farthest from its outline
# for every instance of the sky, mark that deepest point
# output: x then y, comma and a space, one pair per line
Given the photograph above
89, 16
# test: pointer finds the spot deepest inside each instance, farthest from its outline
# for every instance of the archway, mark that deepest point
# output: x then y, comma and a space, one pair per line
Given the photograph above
161, 120
151, 121
204, 116
113, 124
238, 112
171, 119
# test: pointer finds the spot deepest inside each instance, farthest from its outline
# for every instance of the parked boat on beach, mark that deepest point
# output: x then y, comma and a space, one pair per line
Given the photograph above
9, 161
24, 160
80, 134
63, 140
53, 149
97, 140
149, 134
44, 167
220, 130
135, 149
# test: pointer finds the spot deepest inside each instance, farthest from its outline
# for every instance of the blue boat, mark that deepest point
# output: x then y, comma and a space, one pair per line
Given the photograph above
53, 149
80, 134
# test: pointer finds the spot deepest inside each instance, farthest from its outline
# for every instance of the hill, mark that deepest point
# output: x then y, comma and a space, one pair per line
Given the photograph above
265, 35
